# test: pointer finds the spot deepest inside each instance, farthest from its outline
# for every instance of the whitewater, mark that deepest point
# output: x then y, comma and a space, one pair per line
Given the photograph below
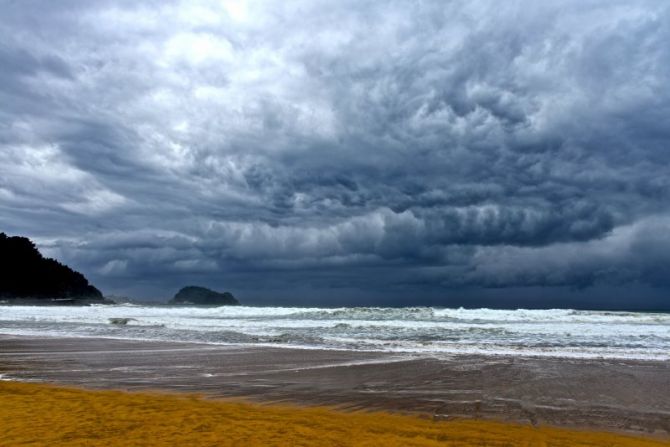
418, 330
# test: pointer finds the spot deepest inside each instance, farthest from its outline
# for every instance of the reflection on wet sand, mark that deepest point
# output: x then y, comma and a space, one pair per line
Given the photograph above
611, 395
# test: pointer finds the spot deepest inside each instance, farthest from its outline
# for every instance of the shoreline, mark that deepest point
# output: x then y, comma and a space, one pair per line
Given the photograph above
631, 397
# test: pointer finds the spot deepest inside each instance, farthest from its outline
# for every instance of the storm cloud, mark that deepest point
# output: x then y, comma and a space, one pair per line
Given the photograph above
335, 152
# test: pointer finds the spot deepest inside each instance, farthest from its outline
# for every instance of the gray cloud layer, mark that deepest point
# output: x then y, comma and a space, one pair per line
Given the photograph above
341, 150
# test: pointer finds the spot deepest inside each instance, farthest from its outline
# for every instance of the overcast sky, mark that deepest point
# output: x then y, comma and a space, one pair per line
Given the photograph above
471, 152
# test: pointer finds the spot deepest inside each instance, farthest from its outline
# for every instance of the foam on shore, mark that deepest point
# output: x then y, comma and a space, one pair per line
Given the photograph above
554, 333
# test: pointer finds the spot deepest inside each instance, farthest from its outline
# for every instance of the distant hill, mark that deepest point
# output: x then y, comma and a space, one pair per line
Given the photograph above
203, 297
26, 274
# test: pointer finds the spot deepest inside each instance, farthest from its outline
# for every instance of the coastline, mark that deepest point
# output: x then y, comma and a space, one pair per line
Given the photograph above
630, 397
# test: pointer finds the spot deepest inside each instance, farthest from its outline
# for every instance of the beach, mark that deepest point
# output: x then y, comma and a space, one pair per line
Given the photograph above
326, 223
45, 415
616, 396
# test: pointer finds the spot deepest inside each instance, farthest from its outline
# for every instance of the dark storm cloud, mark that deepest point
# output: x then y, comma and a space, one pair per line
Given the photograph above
344, 149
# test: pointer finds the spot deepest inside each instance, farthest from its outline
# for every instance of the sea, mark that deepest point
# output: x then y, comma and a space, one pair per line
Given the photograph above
427, 331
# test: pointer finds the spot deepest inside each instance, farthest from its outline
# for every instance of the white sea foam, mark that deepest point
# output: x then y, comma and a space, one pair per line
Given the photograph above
433, 331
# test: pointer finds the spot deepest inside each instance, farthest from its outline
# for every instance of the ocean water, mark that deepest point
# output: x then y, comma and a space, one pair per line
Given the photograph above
418, 330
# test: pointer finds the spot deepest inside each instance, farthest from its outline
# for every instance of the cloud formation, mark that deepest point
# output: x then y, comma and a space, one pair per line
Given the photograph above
340, 149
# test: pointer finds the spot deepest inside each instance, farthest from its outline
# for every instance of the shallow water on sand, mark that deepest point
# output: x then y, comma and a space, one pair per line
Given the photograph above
424, 330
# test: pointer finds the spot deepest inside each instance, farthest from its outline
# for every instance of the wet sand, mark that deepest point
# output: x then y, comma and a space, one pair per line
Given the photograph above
39, 414
629, 396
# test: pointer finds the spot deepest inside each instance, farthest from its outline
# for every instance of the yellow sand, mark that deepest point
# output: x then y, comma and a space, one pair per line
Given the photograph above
44, 415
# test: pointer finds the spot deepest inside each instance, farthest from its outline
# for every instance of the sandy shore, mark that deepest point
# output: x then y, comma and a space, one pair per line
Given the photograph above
625, 396
46, 415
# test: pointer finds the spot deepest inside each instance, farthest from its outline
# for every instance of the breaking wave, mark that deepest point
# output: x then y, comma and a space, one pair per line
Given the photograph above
369, 313
419, 330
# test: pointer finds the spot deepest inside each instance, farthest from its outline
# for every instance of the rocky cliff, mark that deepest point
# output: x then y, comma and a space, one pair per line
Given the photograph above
26, 274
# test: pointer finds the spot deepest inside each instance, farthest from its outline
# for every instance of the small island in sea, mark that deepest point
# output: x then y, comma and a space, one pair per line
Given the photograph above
202, 296
27, 277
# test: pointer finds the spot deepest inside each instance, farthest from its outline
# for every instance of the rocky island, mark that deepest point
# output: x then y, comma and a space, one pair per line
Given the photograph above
202, 296
28, 277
